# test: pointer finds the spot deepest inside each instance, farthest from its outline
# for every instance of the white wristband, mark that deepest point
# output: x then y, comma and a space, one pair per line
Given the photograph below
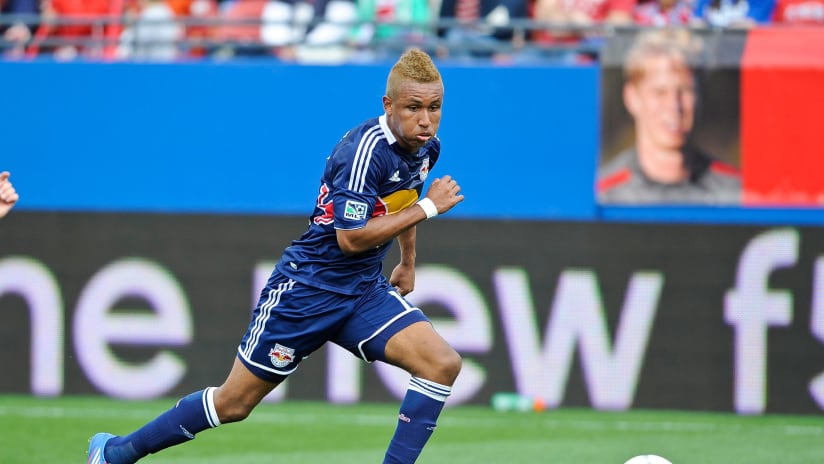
428, 207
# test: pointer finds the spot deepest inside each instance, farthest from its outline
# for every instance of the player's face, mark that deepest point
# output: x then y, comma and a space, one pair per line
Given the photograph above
663, 102
415, 113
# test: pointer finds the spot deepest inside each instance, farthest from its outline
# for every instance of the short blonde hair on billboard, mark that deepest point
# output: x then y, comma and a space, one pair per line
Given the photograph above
678, 44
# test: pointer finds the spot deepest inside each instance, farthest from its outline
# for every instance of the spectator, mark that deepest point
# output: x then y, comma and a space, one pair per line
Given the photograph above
241, 31
285, 23
196, 16
316, 32
8, 196
734, 13
665, 165
386, 26
663, 13
20, 32
80, 24
155, 35
329, 41
581, 16
799, 12
481, 28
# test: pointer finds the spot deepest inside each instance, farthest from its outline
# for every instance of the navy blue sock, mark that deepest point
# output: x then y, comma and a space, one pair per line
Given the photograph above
192, 414
419, 412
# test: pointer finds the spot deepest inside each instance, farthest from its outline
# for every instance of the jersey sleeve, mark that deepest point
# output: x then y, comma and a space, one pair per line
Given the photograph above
356, 173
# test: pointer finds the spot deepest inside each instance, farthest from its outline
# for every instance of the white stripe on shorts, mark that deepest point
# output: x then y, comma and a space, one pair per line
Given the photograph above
263, 316
408, 310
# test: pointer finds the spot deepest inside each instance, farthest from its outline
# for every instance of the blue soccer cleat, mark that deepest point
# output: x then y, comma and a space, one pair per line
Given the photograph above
96, 446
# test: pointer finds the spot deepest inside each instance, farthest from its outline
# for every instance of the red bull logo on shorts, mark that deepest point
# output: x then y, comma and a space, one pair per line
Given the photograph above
281, 355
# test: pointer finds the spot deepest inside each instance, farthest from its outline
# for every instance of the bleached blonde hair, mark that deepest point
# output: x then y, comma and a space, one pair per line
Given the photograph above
414, 65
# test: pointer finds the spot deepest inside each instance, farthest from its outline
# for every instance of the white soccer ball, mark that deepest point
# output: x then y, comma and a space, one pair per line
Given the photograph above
648, 459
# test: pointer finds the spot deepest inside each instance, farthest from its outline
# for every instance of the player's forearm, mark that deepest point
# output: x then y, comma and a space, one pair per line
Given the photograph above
380, 230
406, 242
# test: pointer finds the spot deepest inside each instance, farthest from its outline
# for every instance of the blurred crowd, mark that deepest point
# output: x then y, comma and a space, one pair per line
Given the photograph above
351, 30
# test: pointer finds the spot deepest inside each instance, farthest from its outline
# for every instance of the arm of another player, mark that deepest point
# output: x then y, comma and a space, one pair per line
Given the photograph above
8, 196
444, 193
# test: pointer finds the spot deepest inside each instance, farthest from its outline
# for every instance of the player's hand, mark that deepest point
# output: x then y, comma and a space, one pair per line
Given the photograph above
8, 196
445, 193
403, 278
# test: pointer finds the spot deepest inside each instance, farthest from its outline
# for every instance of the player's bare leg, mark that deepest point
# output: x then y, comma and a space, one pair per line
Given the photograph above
434, 366
421, 351
239, 394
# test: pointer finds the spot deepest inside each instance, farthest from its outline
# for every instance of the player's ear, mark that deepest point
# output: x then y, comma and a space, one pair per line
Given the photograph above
630, 95
387, 105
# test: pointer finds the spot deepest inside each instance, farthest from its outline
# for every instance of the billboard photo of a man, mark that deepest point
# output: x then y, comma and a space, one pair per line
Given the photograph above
658, 155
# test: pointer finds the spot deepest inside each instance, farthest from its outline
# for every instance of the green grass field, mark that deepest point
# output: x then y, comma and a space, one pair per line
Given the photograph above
52, 431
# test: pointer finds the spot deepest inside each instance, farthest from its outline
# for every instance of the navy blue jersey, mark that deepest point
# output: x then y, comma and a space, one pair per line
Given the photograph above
367, 175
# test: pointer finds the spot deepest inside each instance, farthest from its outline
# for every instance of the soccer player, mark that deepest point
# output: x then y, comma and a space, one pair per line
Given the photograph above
8, 196
329, 286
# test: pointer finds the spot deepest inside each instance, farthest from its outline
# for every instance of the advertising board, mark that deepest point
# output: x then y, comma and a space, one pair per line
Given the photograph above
604, 315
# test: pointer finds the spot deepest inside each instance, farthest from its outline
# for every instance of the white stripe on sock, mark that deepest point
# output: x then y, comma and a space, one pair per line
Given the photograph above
429, 388
209, 407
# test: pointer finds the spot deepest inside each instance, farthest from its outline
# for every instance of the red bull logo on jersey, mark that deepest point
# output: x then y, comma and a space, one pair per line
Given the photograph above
425, 168
281, 355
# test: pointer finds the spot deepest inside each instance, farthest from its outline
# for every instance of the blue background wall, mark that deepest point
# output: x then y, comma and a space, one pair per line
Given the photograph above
251, 137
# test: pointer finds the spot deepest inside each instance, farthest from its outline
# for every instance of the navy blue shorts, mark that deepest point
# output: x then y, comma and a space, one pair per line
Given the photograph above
292, 320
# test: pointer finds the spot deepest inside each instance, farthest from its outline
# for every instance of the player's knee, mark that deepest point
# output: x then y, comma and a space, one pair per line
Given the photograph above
452, 365
446, 368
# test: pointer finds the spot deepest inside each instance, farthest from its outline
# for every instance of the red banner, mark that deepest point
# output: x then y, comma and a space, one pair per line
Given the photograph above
782, 94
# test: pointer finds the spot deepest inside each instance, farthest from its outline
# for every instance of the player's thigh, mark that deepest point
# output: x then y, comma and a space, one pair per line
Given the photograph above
381, 312
423, 352
290, 322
